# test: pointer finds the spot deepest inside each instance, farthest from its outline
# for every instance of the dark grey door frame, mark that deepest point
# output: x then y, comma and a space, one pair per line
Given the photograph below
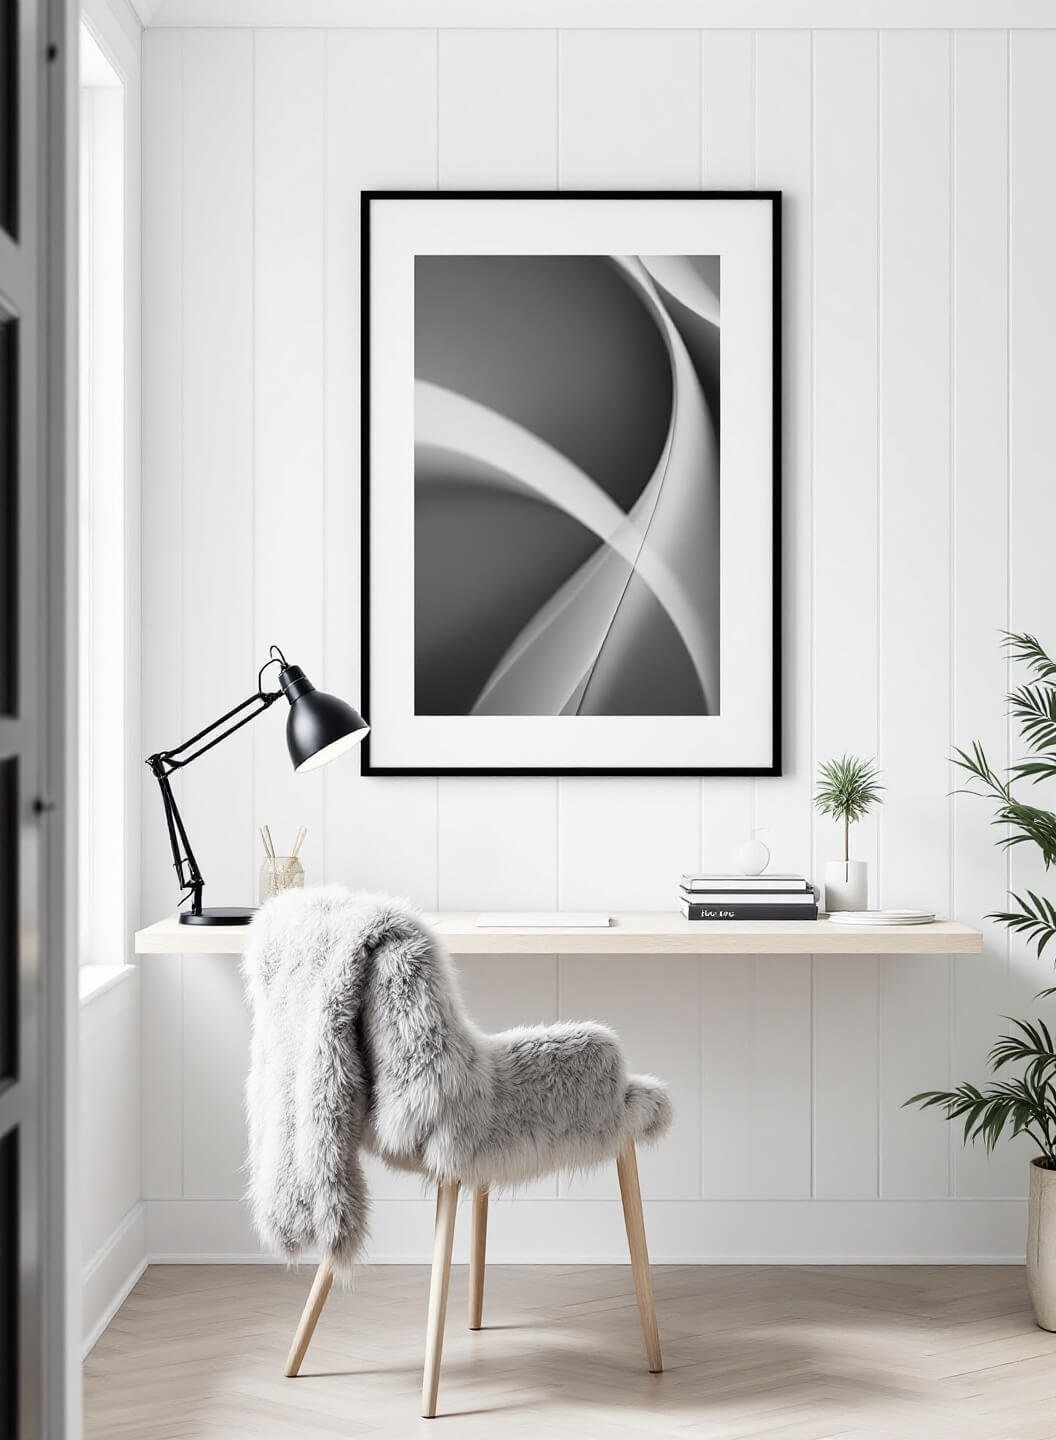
38, 1248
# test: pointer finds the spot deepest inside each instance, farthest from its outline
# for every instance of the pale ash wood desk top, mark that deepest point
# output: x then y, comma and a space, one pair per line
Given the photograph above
657, 932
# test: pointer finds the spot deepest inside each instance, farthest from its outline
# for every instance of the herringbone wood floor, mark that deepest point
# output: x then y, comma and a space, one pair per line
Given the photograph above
785, 1353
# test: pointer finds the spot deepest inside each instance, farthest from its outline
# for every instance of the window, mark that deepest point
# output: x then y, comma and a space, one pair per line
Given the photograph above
102, 540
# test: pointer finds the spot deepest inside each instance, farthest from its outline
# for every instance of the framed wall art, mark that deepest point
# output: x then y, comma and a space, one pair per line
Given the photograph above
571, 482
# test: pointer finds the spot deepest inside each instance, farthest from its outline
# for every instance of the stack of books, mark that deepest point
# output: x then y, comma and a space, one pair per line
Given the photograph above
747, 897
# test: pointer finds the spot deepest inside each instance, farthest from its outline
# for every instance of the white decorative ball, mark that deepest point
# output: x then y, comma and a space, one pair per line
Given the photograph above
753, 857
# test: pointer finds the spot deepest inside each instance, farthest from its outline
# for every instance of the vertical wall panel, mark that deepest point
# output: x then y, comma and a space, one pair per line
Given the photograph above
498, 109
915, 574
846, 1018
980, 570
217, 377
109, 1182
727, 108
218, 658
215, 1025
380, 134
1032, 376
726, 820
629, 111
624, 843
784, 162
288, 520
755, 1055
498, 130
496, 847
162, 592
844, 700
845, 411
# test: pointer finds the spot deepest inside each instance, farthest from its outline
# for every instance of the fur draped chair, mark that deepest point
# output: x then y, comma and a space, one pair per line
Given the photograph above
360, 1042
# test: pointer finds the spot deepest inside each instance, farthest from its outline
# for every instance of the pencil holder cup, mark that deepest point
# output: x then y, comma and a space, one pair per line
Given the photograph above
285, 872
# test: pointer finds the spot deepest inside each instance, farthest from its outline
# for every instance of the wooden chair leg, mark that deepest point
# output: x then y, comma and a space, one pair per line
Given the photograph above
477, 1254
446, 1206
324, 1278
627, 1169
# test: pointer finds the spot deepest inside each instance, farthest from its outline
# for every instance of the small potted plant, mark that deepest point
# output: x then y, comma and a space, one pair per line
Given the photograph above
1026, 1104
1022, 1105
848, 789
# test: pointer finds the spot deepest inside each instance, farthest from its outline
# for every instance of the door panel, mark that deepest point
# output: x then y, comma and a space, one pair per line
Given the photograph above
9, 1347
34, 75
9, 946
9, 107
9, 608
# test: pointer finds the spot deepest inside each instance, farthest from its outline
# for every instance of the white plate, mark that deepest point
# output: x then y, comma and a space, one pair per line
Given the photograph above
883, 917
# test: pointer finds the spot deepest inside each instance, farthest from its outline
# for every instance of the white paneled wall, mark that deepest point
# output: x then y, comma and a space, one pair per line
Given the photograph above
919, 303
108, 1180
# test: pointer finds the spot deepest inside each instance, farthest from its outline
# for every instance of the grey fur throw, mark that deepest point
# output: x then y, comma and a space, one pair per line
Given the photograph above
360, 1042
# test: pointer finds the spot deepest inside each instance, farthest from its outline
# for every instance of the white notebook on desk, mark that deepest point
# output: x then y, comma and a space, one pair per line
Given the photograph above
544, 920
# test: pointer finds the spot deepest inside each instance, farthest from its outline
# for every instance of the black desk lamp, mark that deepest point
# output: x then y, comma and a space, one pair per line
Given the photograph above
319, 727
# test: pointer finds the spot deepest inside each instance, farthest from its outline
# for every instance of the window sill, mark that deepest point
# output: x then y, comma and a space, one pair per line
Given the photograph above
96, 980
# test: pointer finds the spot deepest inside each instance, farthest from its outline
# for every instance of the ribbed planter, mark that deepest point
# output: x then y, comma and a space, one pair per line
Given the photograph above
1041, 1244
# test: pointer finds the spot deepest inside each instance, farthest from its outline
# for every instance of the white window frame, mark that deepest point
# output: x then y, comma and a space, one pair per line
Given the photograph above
109, 446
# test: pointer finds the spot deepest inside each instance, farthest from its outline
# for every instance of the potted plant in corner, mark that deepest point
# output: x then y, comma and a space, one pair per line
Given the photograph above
848, 789
1023, 1104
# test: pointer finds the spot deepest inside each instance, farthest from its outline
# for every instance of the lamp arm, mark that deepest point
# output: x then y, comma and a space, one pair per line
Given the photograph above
186, 866
165, 762
175, 759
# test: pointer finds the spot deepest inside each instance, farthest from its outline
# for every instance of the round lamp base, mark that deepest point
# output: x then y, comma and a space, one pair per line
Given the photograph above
219, 915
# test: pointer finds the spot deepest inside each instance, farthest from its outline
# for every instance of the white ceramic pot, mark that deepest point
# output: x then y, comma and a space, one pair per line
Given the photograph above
846, 885
1041, 1244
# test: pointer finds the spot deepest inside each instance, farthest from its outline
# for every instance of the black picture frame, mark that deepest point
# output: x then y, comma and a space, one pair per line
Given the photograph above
371, 197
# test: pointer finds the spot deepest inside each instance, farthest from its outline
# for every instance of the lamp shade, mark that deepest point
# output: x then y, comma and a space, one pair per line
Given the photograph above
319, 727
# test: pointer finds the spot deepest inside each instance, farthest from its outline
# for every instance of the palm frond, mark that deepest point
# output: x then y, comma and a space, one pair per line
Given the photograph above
1034, 769
1026, 824
1028, 1043
1027, 649
1030, 826
980, 769
1035, 918
1034, 709
1012, 1105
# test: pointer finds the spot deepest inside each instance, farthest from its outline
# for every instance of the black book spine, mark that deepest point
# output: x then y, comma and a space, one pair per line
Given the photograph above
749, 912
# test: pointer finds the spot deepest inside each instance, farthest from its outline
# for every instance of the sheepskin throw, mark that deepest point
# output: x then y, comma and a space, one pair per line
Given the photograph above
360, 1042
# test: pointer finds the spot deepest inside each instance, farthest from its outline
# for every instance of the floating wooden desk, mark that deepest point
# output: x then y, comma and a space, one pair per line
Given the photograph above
658, 932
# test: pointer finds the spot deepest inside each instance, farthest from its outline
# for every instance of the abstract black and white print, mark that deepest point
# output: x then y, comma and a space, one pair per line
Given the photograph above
566, 485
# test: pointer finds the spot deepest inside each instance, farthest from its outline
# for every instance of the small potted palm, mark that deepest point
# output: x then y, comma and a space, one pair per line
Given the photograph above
1024, 1103
848, 789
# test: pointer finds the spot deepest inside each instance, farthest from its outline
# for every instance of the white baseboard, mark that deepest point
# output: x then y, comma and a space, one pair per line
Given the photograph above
681, 1232
111, 1273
